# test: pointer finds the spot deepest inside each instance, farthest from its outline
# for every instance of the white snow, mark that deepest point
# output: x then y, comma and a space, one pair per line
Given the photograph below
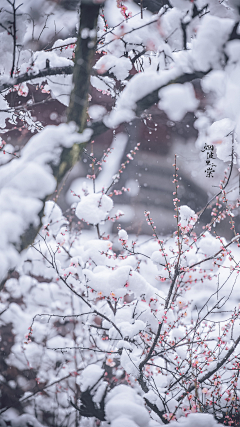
25, 182
125, 406
90, 376
187, 216
208, 55
120, 67
94, 208
96, 112
177, 99
122, 234
139, 86
196, 420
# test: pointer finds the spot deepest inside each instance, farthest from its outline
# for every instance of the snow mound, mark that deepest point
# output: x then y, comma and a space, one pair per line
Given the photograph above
126, 408
94, 208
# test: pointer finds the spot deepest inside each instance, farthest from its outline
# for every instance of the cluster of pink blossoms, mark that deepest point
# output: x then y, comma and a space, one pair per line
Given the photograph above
123, 9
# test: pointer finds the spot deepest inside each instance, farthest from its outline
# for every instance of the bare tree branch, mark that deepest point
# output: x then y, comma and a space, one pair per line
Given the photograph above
28, 77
